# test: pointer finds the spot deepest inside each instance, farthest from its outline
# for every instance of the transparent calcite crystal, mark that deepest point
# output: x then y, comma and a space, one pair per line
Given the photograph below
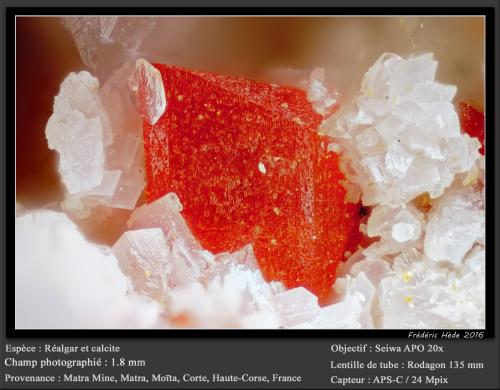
299, 309
400, 224
427, 295
144, 254
242, 293
322, 100
164, 213
146, 81
455, 224
160, 252
105, 42
97, 134
296, 307
358, 287
409, 290
63, 281
401, 133
164, 261
245, 256
126, 152
355, 308
76, 131
155, 265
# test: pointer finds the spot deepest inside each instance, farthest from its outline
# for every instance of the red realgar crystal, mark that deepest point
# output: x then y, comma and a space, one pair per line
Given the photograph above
247, 164
472, 122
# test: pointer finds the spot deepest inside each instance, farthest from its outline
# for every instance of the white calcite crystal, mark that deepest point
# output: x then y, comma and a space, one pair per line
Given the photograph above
144, 254
401, 135
296, 307
355, 308
160, 253
98, 135
76, 130
436, 280
318, 95
62, 281
147, 83
164, 213
238, 298
400, 224
424, 294
455, 224
412, 291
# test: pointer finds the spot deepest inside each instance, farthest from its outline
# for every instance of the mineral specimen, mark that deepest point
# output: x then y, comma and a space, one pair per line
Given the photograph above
455, 224
427, 191
401, 135
96, 132
63, 281
237, 167
472, 122
76, 130
249, 167
106, 42
399, 224
146, 81
424, 294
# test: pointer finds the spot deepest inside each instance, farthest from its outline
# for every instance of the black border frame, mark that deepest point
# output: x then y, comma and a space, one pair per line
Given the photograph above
491, 125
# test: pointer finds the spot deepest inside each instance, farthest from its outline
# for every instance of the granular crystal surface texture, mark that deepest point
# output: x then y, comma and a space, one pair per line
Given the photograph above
472, 122
248, 165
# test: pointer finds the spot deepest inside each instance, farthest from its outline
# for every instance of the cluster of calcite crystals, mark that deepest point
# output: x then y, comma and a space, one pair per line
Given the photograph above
97, 133
401, 133
318, 95
155, 276
408, 290
62, 281
76, 130
404, 154
166, 263
402, 151
106, 42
